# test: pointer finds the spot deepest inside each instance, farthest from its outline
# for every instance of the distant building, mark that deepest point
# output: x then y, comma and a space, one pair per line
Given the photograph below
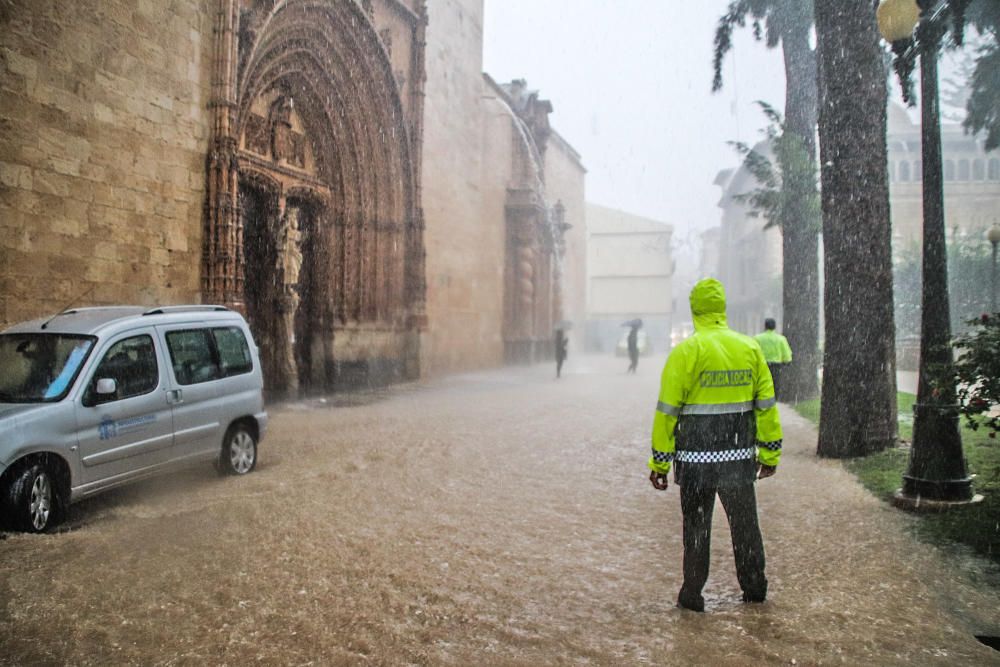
749, 257
971, 181
630, 265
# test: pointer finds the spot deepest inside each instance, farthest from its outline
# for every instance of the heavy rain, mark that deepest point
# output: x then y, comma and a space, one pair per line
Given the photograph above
482, 332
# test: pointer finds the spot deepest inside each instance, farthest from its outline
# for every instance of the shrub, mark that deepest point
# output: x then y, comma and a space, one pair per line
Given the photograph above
977, 373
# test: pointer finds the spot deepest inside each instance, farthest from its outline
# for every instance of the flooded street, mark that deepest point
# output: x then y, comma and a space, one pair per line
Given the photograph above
499, 518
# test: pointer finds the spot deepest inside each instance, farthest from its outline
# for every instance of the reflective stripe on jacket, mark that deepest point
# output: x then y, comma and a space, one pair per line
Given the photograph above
716, 407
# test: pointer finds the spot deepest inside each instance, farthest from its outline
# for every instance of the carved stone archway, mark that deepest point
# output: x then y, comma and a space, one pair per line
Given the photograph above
314, 174
535, 244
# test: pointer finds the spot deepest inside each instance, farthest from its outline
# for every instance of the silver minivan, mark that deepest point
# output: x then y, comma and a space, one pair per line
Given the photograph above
93, 398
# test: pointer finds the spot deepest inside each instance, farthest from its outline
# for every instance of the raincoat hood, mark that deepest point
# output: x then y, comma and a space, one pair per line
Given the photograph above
708, 304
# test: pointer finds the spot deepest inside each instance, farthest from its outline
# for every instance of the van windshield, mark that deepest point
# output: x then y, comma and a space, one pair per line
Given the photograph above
40, 367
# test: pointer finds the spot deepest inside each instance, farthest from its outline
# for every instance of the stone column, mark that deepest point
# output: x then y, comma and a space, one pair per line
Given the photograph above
288, 269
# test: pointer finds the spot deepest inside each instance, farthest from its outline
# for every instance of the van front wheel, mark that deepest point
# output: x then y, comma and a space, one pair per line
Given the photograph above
239, 451
32, 499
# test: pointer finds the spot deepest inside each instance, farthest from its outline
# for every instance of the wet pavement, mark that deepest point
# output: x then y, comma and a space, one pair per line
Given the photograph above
497, 518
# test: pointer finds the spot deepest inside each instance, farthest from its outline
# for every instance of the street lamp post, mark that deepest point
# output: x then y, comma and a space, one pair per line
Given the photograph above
936, 474
994, 238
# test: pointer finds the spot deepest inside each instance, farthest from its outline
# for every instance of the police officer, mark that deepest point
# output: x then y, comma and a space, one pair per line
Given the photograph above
717, 422
776, 350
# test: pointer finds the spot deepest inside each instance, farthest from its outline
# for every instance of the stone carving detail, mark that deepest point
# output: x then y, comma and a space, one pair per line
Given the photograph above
288, 269
536, 233
281, 128
322, 130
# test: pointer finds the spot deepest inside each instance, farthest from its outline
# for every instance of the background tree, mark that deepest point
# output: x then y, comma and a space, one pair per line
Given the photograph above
788, 23
984, 99
969, 267
786, 186
858, 409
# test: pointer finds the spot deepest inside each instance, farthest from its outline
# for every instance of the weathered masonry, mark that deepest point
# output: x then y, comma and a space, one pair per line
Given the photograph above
340, 171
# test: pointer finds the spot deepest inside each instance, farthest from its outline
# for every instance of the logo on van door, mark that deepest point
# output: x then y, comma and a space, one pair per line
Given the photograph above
109, 428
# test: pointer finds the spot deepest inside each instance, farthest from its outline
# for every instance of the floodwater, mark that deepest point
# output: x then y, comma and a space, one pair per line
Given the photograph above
500, 518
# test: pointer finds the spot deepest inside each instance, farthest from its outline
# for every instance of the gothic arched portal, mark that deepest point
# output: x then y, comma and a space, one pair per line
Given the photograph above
313, 225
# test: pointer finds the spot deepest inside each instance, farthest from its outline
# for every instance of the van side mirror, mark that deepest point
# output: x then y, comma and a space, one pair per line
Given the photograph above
106, 386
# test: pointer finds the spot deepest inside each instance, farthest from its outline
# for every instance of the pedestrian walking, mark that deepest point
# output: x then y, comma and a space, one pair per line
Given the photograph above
561, 344
717, 422
777, 352
633, 348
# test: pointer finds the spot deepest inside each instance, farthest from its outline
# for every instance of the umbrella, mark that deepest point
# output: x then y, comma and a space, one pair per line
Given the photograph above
564, 325
637, 322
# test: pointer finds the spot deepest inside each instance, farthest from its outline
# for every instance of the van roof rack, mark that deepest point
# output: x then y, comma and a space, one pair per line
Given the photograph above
163, 310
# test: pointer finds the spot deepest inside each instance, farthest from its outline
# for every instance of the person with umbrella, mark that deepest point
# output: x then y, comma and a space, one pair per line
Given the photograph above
561, 344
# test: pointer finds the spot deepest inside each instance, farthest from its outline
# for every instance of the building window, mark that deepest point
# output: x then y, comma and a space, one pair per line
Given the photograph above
978, 170
904, 172
949, 170
892, 172
994, 170
963, 170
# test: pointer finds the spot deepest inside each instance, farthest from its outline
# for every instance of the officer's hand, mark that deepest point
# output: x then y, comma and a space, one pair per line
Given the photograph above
765, 471
658, 480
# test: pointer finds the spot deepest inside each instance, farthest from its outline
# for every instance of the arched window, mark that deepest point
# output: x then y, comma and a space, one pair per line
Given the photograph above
963, 170
978, 170
994, 169
949, 170
904, 172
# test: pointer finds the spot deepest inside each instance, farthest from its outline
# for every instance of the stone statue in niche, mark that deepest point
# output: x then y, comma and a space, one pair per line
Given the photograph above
288, 239
282, 143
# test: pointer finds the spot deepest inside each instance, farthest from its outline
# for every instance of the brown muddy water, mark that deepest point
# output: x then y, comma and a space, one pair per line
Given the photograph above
501, 518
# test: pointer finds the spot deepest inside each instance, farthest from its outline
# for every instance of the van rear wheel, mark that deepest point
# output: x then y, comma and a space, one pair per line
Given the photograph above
239, 451
32, 499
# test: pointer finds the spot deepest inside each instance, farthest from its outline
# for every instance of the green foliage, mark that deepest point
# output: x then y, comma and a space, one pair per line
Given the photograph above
983, 105
969, 266
984, 100
768, 19
977, 373
882, 474
787, 189
809, 409
972, 525
904, 402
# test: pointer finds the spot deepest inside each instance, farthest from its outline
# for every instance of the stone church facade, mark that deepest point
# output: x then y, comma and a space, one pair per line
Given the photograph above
280, 157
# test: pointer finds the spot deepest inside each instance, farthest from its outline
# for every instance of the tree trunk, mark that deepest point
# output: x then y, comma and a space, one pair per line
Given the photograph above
800, 233
858, 412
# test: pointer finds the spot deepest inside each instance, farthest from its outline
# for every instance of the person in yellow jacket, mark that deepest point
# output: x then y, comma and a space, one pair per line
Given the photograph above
717, 423
776, 350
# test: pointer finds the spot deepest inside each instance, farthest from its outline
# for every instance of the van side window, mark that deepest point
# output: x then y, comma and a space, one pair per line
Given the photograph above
193, 356
131, 363
234, 353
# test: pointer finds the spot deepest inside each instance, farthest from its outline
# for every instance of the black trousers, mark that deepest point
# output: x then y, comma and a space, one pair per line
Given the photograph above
740, 504
775, 369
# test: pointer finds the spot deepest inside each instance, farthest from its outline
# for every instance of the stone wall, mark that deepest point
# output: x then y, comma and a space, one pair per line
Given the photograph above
464, 242
103, 137
105, 121
473, 160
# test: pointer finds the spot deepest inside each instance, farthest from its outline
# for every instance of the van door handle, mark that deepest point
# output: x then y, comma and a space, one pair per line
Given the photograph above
174, 396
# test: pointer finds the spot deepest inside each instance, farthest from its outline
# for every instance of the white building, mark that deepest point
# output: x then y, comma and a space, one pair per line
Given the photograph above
630, 268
